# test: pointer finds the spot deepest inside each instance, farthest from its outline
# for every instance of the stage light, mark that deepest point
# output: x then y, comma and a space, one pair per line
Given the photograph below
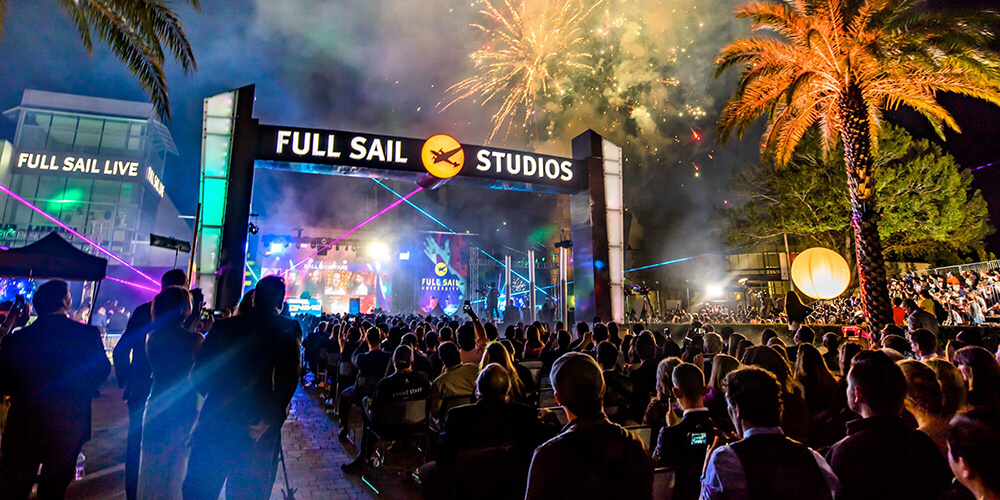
359, 226
378, 251
715, 291
276, 247
404, 255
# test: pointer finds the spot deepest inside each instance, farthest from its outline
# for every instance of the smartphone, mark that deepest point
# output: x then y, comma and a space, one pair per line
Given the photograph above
698, 438
19, 302
467, 308
206, 314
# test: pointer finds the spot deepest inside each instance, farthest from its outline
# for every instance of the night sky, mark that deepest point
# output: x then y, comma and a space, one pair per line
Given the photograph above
379, 68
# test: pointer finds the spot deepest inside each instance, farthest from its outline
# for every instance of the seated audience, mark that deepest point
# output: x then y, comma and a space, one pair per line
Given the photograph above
796, 420
876, 390
592, 457
618, 387
403, 385
764, 464
457, 379
924, 344
497, 353
953, 388
682, 445
924, 400
486, 446
831, 341
982, 376
715, 399
371, 366
973, 440
660, 408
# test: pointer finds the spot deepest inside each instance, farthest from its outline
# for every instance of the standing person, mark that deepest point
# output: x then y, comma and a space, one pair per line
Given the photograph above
492, 302
592, 457
50, 369
765, 463
247, 369
973, 439
135, 378
173, 402
876, 390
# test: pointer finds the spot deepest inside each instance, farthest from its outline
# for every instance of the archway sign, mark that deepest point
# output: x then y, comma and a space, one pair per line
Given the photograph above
234, 144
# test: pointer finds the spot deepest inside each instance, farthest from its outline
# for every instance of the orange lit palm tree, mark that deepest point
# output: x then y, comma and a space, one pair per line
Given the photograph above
838, 64
136, 31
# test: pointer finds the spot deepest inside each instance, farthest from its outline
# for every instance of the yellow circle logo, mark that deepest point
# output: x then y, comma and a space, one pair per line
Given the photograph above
441, 269
442, 156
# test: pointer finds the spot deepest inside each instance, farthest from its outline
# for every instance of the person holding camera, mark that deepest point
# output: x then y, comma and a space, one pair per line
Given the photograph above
682, 445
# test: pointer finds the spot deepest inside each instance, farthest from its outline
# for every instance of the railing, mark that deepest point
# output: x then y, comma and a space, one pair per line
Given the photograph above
961, 268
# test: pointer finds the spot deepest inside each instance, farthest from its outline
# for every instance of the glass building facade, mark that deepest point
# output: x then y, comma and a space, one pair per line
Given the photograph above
94, 164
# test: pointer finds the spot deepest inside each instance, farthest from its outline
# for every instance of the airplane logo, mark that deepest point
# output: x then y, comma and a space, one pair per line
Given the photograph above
445, 156
442, 156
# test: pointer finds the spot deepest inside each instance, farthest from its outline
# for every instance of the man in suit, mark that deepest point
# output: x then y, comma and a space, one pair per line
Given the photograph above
134, 376
513, 429
50, 369
248, 369
682, 446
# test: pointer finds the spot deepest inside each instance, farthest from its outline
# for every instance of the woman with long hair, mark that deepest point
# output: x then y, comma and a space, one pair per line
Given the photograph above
982, 376
663, 404
819, 386
924, 401
173, 403
715, 399
496, 353
533, 346
734, 342
953, 391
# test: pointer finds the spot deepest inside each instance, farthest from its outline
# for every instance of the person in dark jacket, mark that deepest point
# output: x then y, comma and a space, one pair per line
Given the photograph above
876, 390
618, 388
134, 376
592, 457
485, 447
765, 463
682, 446
248, 369
50, 369
372, 365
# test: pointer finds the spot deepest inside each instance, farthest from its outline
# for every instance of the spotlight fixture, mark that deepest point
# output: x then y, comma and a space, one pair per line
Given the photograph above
564, 244
253, 228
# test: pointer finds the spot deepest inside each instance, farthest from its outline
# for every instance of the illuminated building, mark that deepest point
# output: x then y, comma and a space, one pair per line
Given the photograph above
96, 165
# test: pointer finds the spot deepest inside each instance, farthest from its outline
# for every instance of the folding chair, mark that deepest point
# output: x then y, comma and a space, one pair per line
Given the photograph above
400, 421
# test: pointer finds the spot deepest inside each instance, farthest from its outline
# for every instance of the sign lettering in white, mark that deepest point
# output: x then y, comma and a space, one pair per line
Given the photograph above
78, 164
154, 181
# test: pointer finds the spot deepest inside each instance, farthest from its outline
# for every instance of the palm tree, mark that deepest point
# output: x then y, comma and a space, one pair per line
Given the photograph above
838, 64
136, 31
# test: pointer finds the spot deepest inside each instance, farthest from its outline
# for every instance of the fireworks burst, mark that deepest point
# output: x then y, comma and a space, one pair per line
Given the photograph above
527, 56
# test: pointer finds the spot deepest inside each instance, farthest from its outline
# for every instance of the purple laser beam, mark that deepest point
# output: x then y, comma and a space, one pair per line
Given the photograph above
129, 283
359, 226
74, 233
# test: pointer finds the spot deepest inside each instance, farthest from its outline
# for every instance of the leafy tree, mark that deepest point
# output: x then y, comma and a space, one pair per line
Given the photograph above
933, 212
839, 64
139, 32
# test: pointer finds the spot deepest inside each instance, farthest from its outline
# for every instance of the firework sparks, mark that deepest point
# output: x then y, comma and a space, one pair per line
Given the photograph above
527, 55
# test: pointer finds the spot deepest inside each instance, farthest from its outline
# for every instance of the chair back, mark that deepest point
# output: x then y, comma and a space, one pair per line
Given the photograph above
535, 368
645, 433
346, 369
560, 413
404, 413
546, 397
453, 401
663, 483
333, 359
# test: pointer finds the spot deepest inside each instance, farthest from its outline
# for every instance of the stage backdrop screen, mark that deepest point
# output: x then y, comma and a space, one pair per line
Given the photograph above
442, 271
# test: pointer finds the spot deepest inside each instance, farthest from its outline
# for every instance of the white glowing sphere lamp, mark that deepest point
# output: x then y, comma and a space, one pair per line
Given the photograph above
821, 273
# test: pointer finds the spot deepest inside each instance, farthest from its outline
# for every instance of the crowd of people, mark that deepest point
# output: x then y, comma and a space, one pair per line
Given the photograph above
592, 410
206, 398
554, 412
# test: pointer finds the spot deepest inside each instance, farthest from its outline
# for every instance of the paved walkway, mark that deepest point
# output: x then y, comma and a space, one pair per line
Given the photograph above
313, 455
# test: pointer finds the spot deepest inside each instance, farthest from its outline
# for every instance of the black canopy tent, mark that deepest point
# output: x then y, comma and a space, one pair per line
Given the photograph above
53, 257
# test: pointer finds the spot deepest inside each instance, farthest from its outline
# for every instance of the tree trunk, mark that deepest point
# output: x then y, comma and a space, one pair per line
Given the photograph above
865, 217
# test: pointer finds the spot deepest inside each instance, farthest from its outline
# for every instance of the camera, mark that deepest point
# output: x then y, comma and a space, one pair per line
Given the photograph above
698, 438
